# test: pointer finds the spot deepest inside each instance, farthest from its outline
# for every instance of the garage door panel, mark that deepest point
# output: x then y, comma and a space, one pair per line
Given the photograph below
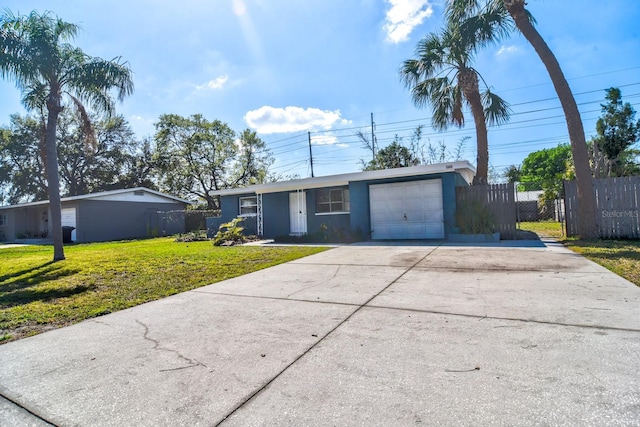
407, 210
435, 230
434, 216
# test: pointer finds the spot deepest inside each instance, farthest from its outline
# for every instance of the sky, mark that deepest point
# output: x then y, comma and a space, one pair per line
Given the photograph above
290, 69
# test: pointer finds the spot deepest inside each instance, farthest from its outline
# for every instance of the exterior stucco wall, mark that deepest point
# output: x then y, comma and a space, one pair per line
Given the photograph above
333, 222
230, 209
275, 214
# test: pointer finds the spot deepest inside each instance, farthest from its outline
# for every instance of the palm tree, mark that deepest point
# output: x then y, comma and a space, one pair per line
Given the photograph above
458, 10
442, 76
35, 53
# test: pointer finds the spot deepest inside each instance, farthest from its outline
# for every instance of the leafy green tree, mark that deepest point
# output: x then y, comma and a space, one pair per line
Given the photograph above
114, 160
617, 132
393, 155
36, 53
253, 161
103, 165
476, 10
443, 77
546, 167
139, 167
195, 157
22, 159
544, 170
513, 174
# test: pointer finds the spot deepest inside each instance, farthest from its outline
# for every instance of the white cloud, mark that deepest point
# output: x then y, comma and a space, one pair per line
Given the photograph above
214, 84
268, 119
326, 139
507, 50
404, 16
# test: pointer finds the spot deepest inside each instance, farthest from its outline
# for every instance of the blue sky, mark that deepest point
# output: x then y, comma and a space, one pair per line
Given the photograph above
287, 67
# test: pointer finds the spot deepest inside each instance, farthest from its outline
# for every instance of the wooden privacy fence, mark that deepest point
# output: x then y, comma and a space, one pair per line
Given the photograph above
500, 198
616, 207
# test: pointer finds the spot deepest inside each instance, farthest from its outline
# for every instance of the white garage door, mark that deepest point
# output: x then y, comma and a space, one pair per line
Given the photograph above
407, 210
69, 219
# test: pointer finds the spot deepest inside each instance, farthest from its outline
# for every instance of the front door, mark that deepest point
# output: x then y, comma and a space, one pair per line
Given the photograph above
298, 213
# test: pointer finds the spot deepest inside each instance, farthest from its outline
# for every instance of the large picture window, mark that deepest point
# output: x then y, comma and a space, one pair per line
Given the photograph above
334, 200
248, 206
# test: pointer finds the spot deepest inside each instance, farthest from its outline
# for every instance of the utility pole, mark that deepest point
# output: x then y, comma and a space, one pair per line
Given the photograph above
373, 138
310, 154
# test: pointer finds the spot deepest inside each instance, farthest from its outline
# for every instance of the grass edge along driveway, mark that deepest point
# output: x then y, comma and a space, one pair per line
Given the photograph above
619, 256
99, 278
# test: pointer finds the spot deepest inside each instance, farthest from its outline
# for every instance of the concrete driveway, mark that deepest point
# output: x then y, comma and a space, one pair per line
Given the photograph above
519, 333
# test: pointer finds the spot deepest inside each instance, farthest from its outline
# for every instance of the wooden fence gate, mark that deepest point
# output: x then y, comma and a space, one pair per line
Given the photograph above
617, 206
500, 198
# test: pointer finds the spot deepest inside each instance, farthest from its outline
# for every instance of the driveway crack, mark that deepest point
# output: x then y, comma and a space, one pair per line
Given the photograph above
335, 273
191, 363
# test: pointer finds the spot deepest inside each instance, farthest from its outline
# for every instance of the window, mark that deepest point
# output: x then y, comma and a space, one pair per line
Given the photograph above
3, 220
248, 206
332, 200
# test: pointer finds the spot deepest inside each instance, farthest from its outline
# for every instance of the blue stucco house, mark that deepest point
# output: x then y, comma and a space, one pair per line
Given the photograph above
417, 202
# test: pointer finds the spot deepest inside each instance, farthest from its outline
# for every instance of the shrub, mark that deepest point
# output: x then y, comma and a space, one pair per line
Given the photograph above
230, 233
474, 216
192, 236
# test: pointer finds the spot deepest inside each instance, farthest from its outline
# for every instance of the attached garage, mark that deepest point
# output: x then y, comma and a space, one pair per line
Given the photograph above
407, 210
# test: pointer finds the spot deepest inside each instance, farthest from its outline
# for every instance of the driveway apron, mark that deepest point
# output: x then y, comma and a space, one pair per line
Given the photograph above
518, 333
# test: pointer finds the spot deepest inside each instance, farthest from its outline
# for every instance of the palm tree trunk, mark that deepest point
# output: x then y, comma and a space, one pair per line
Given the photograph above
51, 165
587, 225
468, 81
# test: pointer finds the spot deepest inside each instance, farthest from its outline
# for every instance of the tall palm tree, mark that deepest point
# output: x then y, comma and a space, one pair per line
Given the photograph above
51, 73
463, 9
441, 75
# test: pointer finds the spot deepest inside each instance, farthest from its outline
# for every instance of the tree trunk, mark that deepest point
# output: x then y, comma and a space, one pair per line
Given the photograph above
468, 81
587, 225
51, 166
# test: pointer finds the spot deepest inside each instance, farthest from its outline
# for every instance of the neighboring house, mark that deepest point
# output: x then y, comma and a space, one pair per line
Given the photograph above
110, 215
415, 202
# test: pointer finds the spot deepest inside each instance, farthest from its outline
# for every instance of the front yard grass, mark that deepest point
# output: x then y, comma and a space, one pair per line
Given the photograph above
544, 228
100, 278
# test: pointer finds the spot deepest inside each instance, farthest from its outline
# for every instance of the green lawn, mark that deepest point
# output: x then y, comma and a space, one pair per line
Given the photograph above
544, 228
95, 279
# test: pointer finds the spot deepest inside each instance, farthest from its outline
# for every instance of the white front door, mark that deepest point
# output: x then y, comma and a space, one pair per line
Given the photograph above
298, 213
407, 210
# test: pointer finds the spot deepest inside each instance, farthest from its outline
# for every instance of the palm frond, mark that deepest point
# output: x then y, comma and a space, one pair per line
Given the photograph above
35, 95
496, 110
489, 26
93, 79
459, 10
86, 125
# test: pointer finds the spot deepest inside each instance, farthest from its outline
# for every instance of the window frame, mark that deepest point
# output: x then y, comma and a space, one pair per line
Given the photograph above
345, 201
252, 205
3, 220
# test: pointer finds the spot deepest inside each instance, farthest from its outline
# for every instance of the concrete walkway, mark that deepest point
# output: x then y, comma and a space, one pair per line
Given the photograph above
509, 334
